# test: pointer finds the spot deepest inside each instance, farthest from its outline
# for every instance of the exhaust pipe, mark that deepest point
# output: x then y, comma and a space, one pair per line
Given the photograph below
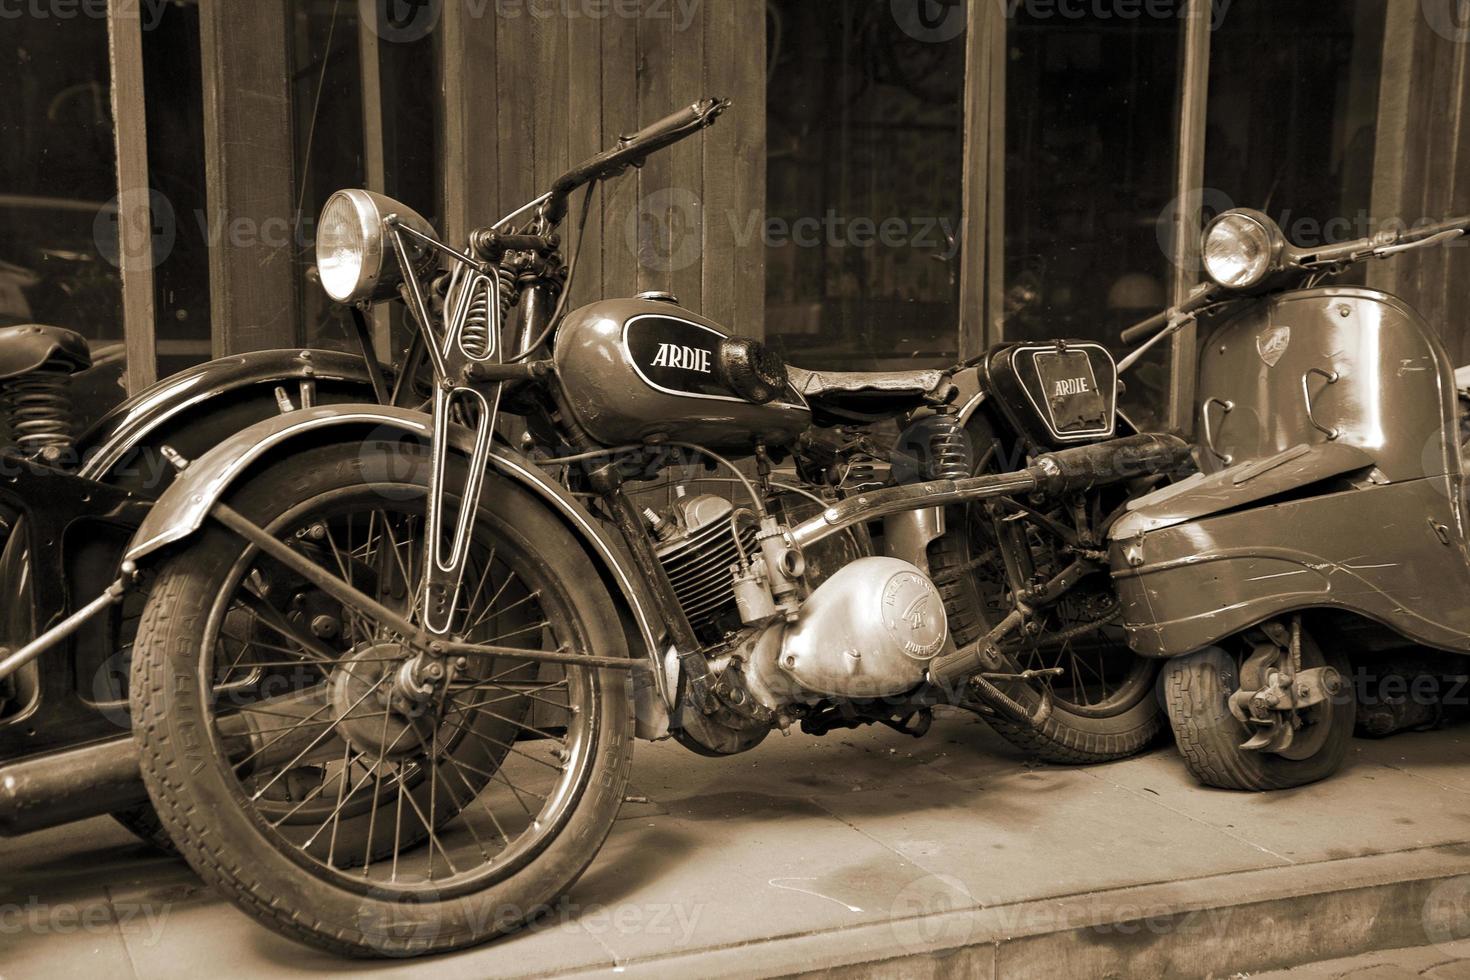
75, 784
56, 788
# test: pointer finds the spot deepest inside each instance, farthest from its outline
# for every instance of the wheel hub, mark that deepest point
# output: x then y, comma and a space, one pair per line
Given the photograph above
379, 703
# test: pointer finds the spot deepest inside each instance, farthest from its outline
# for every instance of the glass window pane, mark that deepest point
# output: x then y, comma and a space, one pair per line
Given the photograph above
1294, 136
58, 187
326, 100
864, 159
173, 81
1091, 103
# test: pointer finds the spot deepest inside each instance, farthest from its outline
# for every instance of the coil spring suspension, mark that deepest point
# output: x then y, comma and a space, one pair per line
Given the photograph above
38, 406
508, 290
475, 337
948, 453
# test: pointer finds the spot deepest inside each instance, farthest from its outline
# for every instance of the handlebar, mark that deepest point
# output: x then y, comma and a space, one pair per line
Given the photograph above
1202, 296
631, 151
1311, 260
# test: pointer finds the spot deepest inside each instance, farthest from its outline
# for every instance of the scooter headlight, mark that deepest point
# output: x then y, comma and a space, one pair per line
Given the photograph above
1241, 248
354, 258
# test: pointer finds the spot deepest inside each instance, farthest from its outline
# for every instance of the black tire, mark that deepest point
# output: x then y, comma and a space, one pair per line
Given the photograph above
1197, 689
199, 795
1072, 735
143, 823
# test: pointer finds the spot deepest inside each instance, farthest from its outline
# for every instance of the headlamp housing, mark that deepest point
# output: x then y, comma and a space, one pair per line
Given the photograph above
1241, 248
355, 259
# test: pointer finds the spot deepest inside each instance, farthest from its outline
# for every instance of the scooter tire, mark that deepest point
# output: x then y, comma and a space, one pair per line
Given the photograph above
1196, 690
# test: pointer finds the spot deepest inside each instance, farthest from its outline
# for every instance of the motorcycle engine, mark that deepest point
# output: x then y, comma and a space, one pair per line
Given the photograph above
868, 629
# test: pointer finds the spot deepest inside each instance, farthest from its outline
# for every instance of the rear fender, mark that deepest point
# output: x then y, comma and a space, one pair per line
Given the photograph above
182, 509
198, 407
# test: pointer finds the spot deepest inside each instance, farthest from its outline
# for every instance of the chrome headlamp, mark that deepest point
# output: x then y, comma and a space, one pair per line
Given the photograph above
1241, 248
355, 259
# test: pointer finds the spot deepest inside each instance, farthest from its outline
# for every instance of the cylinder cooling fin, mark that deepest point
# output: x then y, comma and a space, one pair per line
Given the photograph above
698, 554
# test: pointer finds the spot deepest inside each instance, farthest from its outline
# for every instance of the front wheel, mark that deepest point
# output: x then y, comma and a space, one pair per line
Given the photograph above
1197, 690
301, 775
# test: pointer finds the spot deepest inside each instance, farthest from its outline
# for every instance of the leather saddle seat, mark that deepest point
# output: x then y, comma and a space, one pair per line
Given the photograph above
841, 397
28, 347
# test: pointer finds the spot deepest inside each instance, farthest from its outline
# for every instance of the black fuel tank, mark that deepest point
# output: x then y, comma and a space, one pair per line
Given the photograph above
638, 369
1057, 393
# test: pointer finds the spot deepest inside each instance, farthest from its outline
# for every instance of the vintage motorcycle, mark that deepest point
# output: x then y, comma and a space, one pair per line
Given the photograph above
387, 677
1328, 516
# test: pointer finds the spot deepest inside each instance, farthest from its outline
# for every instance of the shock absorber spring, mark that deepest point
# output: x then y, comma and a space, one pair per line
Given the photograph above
947, 446
38, 406
475, 337
508, 290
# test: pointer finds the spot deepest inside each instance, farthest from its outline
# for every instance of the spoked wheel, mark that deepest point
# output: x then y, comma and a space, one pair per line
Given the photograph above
1103, 704
339, 787
1197, 691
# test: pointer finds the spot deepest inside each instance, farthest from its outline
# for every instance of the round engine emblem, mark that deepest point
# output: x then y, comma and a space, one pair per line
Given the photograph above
914, 615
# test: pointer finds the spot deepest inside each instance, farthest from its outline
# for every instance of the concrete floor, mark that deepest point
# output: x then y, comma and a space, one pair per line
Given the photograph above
869, 852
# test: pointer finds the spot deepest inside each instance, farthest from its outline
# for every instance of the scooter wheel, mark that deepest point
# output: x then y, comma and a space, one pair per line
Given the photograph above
1196, 690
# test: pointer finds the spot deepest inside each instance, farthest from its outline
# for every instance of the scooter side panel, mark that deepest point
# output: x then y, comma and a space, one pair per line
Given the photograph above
1393, 397
1239, 485
1391, 552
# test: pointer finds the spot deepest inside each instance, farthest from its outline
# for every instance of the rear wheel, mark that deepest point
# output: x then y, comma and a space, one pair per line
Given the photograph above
1103, 704
307, 787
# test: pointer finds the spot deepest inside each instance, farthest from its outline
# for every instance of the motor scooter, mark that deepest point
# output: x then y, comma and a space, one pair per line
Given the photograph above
1327, 518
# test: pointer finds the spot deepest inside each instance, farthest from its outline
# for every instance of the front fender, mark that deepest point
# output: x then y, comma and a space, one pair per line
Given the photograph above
184, 506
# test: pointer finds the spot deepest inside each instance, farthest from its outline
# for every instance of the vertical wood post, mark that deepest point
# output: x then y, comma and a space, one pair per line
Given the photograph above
982, 219
248, 153
1194, 85
135, 217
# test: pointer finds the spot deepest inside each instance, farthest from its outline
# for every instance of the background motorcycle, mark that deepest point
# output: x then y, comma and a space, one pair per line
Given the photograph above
1328, 518
389, 673
69, 502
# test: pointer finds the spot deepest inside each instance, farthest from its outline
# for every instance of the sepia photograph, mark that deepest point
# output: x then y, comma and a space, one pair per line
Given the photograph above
835, 489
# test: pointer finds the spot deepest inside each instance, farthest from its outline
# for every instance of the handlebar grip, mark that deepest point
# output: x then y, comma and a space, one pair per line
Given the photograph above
700, 113
630, 150
1139, 331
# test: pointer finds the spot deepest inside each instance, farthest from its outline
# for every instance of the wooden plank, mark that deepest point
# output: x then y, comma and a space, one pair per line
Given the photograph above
619, 95
656, 191
687, 159
369, 70
135, 220
976, 217
584, 138
248, 155
1391, 132
723, 222
515, 66
1190, 178
548, 86
748, 263
469, 178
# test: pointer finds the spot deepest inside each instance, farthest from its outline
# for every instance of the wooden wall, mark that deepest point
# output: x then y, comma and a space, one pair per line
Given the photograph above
543, 84
1422, 165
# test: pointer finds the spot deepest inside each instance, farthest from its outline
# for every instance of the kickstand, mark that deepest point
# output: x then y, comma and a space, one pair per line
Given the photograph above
916, 723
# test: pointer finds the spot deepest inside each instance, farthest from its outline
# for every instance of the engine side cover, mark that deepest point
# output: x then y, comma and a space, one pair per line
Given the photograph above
868, 631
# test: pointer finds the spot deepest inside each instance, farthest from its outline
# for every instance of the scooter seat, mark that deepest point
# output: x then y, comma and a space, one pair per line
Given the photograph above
28, 347
858, 396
